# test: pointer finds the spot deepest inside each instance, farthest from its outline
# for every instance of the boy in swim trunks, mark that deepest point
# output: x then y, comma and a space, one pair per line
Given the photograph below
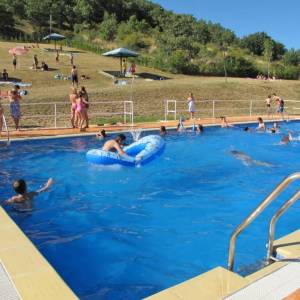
115, 145
23, 199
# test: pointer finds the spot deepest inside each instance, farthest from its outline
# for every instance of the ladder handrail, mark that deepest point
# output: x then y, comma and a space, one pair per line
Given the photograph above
259, 209
274, 220
6, 127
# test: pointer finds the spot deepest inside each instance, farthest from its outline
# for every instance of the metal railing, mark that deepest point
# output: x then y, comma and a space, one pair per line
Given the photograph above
215, 108
57, 114
4, 125
260, 208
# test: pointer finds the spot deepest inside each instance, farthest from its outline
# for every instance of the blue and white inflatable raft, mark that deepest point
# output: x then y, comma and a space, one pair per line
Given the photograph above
138, 153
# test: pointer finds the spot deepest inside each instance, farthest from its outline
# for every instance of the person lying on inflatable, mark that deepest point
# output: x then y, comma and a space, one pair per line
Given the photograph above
115, 145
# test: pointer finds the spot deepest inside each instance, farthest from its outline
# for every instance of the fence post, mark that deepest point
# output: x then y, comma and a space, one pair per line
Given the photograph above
250, 109
165, 101
175, 110
125, 118
213, 108
55, 116
131, 104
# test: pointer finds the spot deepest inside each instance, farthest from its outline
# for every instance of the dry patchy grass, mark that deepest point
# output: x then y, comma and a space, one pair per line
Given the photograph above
148, 96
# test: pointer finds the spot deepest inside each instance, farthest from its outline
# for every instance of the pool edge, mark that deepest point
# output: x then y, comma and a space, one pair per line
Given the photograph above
31, 273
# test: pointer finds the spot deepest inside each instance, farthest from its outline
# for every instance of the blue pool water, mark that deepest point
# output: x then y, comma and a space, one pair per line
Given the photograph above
126, 233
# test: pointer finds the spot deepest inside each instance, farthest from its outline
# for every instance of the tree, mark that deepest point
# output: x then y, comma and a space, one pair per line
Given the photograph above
6, 20
291, 58
255, 42
109, 27
268, 52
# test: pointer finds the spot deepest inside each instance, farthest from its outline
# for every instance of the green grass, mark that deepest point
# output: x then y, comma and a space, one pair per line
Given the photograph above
148, 96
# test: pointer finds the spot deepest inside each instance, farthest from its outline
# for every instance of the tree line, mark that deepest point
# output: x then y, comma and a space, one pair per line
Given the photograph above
177, 43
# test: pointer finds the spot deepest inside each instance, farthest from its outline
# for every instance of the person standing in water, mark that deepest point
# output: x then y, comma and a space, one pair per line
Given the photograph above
261, 125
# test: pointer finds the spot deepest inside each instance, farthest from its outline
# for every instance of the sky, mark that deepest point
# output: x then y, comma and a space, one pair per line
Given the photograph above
278, 18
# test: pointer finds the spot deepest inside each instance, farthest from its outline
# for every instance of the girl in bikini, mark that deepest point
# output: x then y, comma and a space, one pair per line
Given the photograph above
81, 110
85, 104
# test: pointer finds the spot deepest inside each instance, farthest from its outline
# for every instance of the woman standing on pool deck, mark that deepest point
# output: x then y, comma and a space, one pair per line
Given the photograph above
14, 99
191, 105
85, 105
73, 95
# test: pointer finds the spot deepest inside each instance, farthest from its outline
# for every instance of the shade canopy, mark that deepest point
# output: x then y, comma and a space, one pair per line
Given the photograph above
121, 52
54, 37
18, 50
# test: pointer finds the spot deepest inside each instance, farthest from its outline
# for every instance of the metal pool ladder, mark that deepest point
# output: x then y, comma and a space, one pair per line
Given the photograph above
260, 208
6, 129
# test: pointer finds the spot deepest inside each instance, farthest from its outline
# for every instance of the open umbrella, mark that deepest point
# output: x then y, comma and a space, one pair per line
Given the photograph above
18, 50
54, 37
122, 53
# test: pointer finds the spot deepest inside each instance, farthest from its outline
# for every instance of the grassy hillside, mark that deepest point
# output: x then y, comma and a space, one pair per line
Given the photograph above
148, 96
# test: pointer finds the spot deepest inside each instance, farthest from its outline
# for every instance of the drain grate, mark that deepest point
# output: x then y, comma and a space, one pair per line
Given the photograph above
7, 288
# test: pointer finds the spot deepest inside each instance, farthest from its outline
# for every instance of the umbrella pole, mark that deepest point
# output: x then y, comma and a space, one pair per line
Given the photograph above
55, 44
121, 73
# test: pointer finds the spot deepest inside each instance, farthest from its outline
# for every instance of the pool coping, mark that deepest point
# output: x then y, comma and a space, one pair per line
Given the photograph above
31, 273
151, 126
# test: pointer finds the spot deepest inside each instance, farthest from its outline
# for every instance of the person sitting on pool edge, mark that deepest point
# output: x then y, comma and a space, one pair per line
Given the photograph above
23, 198
101, 135
162, 130
115, 145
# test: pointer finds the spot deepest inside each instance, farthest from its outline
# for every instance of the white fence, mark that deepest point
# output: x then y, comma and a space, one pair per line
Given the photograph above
57, 114
217, 108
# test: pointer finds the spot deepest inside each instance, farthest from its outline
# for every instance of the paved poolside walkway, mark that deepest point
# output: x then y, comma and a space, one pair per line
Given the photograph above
27, 133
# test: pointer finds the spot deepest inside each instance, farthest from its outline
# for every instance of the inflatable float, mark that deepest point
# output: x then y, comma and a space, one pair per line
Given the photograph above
138, 153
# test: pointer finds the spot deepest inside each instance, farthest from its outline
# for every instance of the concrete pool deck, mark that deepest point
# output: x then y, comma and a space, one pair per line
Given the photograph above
34, 278
35, 133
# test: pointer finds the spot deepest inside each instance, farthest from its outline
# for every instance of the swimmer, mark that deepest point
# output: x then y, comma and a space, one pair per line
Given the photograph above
101, 135
247, 129
162, 130
291, 138
285, 140
23, 199
261, 125
247, 160
115, 145
224, 123
180, 126
274, 129
200, 128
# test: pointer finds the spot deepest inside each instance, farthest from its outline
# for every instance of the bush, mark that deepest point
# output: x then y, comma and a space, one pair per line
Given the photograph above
109, 27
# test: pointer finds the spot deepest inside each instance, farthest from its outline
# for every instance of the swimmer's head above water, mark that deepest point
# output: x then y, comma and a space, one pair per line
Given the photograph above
20, 186
120, 139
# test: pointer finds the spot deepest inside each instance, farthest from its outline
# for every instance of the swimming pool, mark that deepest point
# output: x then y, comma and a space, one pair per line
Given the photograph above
126, 233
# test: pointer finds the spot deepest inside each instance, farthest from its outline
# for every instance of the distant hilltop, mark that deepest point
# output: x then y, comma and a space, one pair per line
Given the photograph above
177, 43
